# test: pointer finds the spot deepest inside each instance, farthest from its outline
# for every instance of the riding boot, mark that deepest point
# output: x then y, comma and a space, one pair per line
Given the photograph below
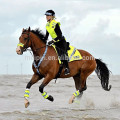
66, 70
65, 63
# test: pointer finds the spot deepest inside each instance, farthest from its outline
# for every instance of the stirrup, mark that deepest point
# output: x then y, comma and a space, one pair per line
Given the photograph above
67, 71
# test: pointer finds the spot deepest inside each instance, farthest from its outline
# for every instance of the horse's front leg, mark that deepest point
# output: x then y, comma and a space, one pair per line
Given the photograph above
35, 78
41, 88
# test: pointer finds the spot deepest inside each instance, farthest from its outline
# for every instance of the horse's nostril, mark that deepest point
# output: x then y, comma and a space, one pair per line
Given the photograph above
18, 50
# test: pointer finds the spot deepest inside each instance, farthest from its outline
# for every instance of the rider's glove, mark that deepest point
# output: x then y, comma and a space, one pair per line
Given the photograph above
50, 42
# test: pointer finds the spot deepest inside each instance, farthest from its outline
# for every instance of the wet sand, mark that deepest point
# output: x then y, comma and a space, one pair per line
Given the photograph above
95, 104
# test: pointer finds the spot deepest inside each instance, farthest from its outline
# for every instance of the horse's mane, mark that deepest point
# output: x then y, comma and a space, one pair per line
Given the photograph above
40, 34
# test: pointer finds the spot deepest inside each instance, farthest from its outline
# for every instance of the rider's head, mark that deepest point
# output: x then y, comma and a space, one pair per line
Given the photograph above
50, 15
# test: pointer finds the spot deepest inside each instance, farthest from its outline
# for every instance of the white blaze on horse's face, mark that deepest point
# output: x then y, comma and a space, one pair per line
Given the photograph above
18, 50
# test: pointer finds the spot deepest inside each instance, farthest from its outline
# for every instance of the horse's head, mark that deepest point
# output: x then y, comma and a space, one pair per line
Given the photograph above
24, 41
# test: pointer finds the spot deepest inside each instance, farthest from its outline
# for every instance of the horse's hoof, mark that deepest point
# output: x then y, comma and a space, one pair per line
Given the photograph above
71, 99
27, 103
50, 98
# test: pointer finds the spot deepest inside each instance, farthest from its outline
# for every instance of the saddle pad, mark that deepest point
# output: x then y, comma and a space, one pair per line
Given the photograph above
73, 54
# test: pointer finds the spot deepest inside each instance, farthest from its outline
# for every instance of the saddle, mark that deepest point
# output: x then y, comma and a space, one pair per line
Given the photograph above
73, 54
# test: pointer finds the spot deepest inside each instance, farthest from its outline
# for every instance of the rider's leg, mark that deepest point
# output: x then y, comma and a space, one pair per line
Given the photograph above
66, 59
65, 63
62, 46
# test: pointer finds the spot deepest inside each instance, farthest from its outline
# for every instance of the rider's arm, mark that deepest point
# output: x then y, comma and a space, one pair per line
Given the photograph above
46, 36
58, 32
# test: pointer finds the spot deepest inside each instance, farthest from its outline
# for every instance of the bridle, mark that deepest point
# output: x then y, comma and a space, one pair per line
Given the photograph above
25, 46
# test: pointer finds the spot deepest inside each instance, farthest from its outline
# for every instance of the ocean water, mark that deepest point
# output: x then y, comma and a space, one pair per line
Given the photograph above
95, 104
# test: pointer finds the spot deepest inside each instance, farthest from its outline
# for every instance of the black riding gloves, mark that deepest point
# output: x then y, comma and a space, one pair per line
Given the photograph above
50, 42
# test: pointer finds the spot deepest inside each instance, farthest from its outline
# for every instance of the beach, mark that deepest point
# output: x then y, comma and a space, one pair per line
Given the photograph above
95, 104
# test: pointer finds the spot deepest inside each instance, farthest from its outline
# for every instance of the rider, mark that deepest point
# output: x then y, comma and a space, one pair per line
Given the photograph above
53, 28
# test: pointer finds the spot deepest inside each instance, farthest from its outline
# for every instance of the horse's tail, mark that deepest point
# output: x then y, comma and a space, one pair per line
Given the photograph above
103, 74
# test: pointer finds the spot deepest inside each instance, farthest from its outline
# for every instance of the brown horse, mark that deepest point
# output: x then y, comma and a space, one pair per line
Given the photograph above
49, 68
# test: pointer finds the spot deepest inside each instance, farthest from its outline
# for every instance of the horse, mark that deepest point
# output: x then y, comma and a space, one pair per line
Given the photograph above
49, 68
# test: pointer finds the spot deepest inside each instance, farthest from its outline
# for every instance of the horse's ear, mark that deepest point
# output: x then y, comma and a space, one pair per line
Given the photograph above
29, 29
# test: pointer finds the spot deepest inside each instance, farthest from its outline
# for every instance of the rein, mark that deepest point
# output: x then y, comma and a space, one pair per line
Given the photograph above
35, 50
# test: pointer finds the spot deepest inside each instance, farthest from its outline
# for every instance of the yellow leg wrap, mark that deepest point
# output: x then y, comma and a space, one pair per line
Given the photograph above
45, 95
27, 92
76, 93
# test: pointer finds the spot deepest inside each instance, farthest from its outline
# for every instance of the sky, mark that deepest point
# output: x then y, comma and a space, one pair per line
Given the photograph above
91, 25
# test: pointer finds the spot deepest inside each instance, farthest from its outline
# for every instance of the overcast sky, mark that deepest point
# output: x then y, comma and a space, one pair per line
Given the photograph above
92, 25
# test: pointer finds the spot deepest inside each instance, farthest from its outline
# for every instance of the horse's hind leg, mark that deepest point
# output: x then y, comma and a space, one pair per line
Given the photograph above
77, 81
83, 79
80, 86
80, 83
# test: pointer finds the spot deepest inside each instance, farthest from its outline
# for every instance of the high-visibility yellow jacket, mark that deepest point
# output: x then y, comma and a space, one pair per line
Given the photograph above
50, 27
